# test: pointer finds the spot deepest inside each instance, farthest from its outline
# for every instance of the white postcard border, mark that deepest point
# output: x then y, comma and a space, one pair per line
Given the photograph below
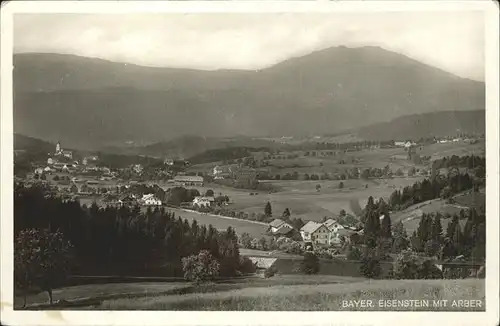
8, 316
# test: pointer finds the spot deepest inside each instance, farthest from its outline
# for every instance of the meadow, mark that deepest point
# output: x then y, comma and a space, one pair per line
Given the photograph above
311, 297
410, 217
253, 228
306, 202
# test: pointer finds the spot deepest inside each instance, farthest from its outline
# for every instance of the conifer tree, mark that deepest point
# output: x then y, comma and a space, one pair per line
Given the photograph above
268, 210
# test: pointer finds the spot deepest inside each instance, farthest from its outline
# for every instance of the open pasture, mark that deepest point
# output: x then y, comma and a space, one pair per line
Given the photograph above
411, 216
319, 164
309, 297
253, 228
305, 201
437, 151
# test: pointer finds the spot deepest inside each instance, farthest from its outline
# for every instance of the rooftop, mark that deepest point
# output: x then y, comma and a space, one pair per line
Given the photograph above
311, 226
276, 223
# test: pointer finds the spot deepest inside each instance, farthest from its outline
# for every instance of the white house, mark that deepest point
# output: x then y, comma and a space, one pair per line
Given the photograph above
315, 232
224, 172
278, 226
68, 154
39, 171
137, 168
203, 201
150, 200
336, 231
409, 144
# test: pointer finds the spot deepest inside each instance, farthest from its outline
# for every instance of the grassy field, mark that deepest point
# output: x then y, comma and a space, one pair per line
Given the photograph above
128, 291
411, 216
437, 151
101, 290
310, 297
304, 201
221, 223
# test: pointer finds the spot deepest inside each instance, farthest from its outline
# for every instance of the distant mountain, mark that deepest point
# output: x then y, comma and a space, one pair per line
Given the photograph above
439, 124
189, 146
93, 103
30, 144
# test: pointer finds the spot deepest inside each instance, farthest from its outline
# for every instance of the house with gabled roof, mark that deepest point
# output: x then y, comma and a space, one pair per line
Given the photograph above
284, 230
278, 224
127, 200
315, 232
203, 201
150, 200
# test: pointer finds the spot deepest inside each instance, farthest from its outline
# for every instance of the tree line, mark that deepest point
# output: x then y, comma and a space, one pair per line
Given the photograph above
438, 187
380, 239
116, 241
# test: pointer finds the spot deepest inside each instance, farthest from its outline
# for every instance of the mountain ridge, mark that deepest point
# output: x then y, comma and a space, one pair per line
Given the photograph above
325, 91
402, 128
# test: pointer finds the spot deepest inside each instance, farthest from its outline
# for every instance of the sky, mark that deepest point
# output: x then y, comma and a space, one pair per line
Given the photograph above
452, 41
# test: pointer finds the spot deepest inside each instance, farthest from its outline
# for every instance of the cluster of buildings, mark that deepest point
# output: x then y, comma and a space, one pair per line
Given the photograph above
63, 161
188, 181
204, 201
327, 233
237, 172
132, 200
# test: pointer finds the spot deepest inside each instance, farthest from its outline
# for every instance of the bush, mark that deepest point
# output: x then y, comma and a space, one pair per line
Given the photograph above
353, 253
291, 247
201, 267
310, 264
247, 266
406, 265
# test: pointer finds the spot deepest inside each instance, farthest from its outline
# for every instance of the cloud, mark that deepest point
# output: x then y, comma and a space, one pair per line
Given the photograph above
453, 41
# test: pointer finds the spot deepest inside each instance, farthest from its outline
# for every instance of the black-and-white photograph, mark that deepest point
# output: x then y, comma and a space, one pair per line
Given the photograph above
232, 161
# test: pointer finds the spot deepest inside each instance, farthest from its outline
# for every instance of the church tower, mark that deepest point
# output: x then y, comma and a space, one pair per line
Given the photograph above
58, 148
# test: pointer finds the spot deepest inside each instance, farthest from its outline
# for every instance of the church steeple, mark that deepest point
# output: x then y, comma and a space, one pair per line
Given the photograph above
58, 147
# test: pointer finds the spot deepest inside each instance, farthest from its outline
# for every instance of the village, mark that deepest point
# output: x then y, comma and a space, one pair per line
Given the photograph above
221, 189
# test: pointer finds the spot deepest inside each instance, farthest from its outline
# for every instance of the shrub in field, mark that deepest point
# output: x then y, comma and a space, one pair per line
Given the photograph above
406, 265
246, 240
310, 264
201, 267
409, 266
291, 247
247, 266
41, 259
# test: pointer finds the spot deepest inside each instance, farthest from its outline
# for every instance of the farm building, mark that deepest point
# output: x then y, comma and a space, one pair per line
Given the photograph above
315, 232
127, 200
150, 200
188, 180
203, 201
280, 227
224, 172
